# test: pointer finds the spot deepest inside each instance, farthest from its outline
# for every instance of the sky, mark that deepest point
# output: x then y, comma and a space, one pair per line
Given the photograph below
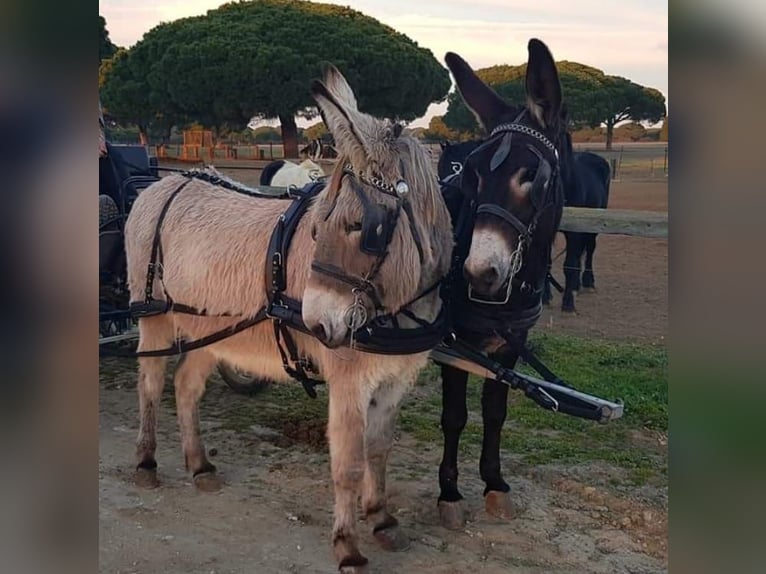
627, 38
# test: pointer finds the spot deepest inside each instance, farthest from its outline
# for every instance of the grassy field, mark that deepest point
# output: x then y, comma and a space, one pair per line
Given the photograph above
635, 373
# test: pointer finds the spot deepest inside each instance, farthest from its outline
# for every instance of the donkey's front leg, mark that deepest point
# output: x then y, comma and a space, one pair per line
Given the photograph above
378, 437
345, 435
454, 417
191, 375
494, 408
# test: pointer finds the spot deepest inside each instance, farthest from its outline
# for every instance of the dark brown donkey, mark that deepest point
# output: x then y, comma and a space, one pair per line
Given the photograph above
510, 184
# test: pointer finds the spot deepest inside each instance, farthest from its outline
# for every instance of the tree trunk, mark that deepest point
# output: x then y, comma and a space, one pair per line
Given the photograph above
289, 136
143, 137
166, 132
609, 134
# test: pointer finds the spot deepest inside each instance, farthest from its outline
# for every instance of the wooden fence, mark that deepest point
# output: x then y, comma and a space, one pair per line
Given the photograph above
615, 222
587, 220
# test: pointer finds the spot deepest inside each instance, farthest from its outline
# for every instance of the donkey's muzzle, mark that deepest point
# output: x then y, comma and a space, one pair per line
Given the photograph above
485, 280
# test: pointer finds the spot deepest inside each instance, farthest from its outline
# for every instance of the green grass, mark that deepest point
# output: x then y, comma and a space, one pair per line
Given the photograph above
637, 374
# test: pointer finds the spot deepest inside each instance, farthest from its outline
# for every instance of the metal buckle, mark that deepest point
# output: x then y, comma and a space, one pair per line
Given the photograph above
276, 315
355, 315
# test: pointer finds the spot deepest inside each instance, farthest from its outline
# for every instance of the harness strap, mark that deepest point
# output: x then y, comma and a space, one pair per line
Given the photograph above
299, 372
281, 309
414, 229
547, 399
183, 346
155, 260
276, 272
531, 359
505, 215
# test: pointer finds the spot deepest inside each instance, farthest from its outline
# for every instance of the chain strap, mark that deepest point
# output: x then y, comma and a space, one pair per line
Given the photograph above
526, 130
398, 191
220, 180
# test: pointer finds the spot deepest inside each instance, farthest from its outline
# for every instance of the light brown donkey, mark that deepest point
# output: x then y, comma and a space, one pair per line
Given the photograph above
214, 246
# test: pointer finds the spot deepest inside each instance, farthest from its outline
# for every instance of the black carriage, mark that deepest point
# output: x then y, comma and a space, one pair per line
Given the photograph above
124, 171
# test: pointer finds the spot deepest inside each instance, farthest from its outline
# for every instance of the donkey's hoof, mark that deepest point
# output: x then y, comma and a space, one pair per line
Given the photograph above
569, 310
587, 289
498, 504
146, 478
354, 564
451, 515
392, 539
208, 482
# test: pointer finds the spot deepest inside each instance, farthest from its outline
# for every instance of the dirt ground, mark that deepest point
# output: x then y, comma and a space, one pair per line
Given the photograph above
631, 297
274, 514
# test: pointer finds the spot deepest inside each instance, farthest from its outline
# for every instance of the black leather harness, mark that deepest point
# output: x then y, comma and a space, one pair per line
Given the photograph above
473, 317
380, 335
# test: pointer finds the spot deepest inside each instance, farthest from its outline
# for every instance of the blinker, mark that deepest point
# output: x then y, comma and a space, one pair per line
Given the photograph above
541, 180
376, 228
502, 152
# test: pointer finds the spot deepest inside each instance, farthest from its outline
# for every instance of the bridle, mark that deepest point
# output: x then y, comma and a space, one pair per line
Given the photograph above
378, 224
545, 178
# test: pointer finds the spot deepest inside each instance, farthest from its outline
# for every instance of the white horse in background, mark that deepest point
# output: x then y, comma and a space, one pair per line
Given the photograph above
283, 173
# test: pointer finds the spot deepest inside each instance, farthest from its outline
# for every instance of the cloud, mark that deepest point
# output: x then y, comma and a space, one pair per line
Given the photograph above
628, 39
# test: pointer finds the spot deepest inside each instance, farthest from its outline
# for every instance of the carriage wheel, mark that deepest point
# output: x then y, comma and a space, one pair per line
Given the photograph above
240, 381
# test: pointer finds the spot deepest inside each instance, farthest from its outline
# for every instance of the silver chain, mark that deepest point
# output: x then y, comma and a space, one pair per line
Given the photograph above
374, 181
526, 130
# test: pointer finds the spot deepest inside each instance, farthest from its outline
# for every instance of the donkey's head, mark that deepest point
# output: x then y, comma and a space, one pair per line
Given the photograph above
380, 225
450, 164
513, 175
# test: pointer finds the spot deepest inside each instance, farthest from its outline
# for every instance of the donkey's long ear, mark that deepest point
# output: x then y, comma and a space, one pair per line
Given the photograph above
338, 86
482, 100
339, 117
542, 84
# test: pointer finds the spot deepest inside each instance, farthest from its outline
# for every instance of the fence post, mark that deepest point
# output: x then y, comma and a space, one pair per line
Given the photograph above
665, 164
614, 167
271, 150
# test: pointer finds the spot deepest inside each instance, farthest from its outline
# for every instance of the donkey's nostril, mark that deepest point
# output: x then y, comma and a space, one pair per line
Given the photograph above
489, 276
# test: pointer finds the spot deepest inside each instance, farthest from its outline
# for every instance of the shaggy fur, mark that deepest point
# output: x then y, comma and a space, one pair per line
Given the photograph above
214, 250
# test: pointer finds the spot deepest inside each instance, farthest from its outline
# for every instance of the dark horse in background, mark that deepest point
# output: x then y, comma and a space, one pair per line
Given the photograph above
586, 184
506, 198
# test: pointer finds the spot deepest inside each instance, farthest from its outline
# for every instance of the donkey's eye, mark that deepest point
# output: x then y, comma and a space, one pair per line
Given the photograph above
528, 176
351, 227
